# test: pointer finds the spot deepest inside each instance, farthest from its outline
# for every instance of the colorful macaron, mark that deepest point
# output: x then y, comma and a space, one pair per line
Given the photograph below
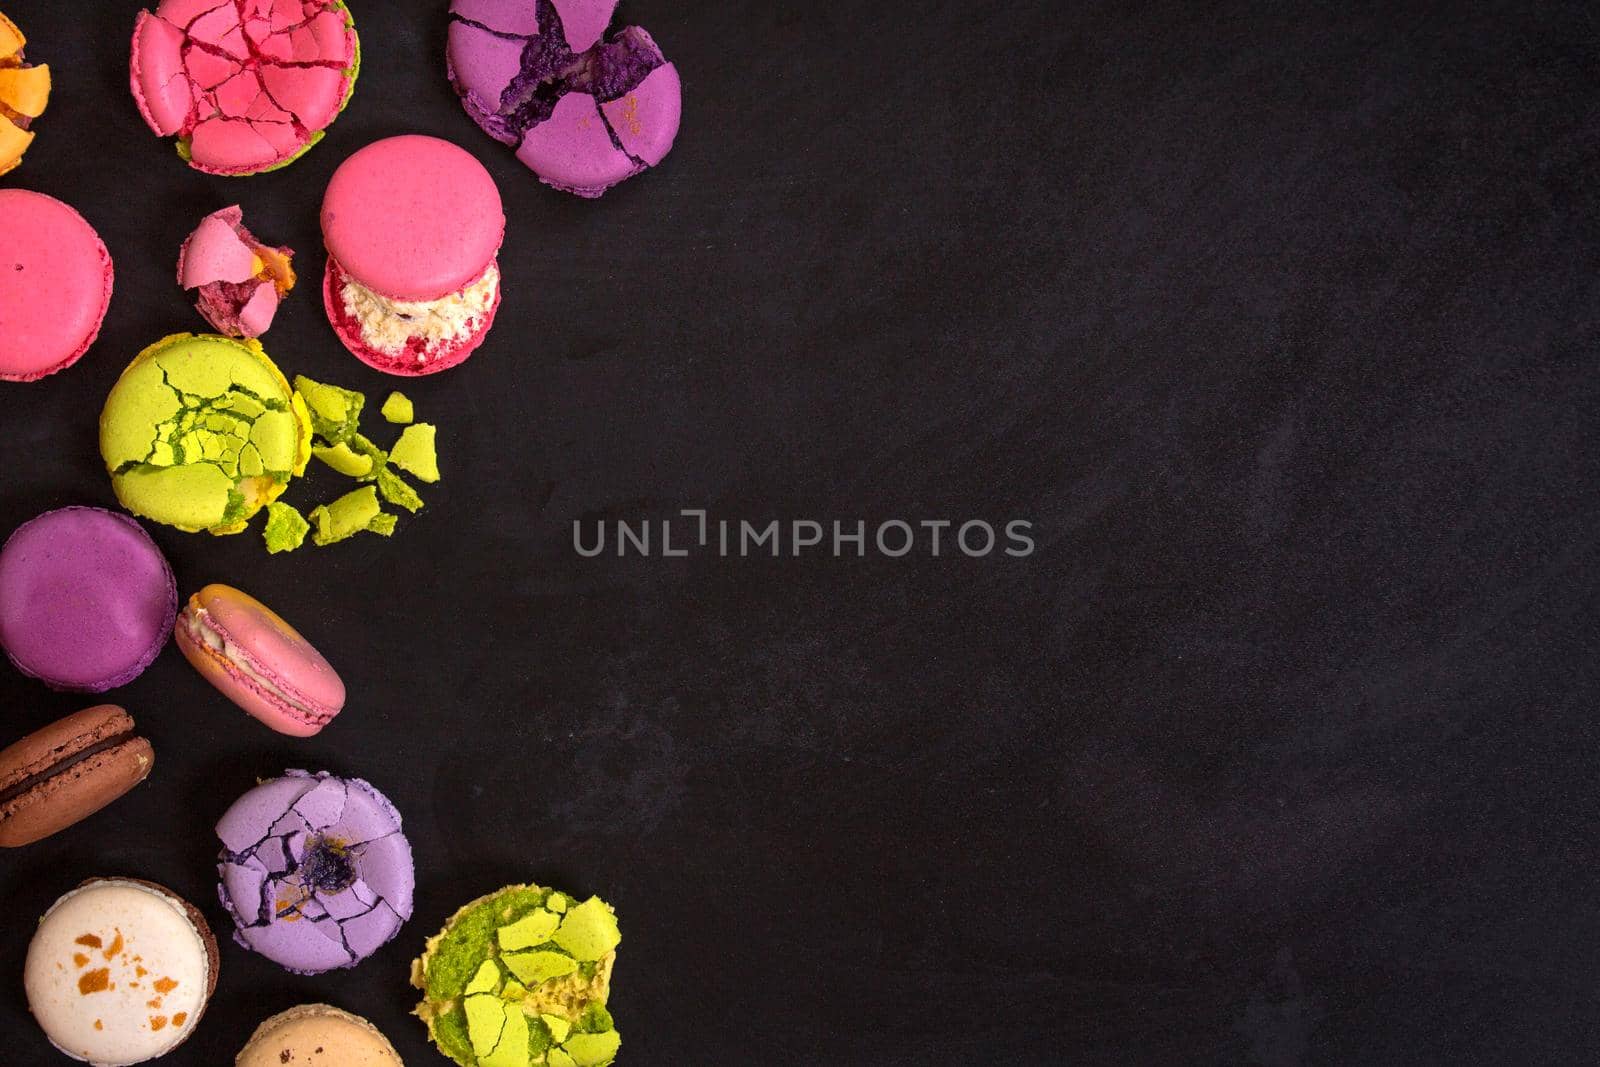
60, 775
584, 111
120, 971
87, 600
248, 86
522, 976
318, 1035
201, 432
55, 284
413, 227
24, 92
239, 282
258, 661
315, 871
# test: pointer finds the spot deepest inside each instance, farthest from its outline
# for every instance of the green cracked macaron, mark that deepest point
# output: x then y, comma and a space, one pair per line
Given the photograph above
520, 978
202, 431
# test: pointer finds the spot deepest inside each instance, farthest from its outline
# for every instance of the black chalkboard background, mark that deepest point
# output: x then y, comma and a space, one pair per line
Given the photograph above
1278, 322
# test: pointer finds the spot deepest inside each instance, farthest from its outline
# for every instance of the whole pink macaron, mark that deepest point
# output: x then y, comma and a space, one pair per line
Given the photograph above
258, 661
55, 285
413, 227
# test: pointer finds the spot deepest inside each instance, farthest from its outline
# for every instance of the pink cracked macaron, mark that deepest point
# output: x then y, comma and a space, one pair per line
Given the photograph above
413, 226
246, 86
238, 281
258, 661
55, 285
584, 111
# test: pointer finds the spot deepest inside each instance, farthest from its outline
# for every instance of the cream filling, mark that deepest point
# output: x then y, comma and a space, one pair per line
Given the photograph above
198, 621
390, 325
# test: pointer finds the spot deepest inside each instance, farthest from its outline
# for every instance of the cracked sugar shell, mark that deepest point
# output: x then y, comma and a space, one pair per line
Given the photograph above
201, 432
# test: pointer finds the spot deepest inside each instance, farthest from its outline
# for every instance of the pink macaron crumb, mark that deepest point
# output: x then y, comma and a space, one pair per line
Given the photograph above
239, 281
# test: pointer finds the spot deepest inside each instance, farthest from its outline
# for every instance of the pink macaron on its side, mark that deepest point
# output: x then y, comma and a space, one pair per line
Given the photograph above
259, 662
413, 226
55, 285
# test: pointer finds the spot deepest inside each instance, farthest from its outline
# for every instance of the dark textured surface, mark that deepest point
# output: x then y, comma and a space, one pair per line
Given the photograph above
1278, 320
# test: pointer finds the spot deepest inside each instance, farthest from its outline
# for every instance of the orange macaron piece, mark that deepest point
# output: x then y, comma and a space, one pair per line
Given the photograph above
24, 92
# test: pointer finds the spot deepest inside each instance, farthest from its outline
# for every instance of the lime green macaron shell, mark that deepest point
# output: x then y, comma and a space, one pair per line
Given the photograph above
520, 978
203, 431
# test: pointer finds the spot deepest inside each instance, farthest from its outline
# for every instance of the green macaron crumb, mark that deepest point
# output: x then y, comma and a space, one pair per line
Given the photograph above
344, 459
397, 491
520, 978
398, 409
383, 524
351, 514
335, 412
201, 432
416, 452
286, 528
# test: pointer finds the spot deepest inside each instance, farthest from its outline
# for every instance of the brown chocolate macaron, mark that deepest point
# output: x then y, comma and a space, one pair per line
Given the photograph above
69, 770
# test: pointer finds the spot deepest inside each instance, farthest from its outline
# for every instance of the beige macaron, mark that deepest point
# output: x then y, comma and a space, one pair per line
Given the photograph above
318, 1035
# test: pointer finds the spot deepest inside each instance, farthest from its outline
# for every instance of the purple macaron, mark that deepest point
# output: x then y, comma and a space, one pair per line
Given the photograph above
87, 600
584, 110
315, 871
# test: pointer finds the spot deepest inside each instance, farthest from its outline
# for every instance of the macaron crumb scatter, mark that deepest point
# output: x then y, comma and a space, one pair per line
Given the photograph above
24, 93
340, 446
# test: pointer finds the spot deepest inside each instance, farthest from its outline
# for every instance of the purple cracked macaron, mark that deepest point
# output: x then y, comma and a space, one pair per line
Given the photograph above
584, 110
315, 871
87, 600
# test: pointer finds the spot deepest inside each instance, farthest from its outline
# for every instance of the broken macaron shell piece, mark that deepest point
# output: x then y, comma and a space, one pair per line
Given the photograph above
258, 661
245, 85
584, 111
522, 976
202, 431
55, 285
315, 871
413, 226
24, 93
239, 282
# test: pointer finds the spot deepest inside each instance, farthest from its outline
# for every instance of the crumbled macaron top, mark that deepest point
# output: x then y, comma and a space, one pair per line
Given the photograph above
521, 977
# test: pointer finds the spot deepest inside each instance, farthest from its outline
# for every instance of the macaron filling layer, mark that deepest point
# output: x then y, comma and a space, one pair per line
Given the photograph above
200, 627
394, 327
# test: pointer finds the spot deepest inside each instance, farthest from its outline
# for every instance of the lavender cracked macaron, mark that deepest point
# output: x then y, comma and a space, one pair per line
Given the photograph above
583, 110
258, 661
87, 600
315, 871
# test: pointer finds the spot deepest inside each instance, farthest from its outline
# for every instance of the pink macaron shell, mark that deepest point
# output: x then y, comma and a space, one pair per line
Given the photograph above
519, 17
313, 95
646, 119
405, 365
275, 649
583, 21
413, 217
183, 12
216, 253
572, 150
255, 318
55, 285
164, 99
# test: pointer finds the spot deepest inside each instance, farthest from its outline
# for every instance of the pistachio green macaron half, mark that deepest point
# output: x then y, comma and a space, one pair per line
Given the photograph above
203, 431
